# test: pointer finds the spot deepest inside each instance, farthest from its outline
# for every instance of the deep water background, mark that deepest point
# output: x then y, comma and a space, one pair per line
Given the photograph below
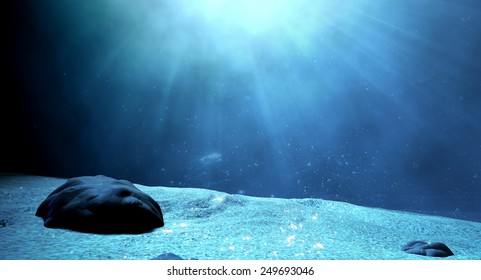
376, 103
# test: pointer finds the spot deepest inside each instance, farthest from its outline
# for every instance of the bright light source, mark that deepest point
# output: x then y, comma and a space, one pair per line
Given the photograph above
252, 15
258, 15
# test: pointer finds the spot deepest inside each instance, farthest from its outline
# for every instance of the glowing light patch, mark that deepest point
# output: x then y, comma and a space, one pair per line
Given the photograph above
318, 245
289, 240
252, 15
167, 231
182, 225
218, 199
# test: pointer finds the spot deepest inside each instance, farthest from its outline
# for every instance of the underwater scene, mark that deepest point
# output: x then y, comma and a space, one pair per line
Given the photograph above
241, 130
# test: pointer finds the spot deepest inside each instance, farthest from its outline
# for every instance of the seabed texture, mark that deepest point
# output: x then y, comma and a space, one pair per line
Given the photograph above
210, 225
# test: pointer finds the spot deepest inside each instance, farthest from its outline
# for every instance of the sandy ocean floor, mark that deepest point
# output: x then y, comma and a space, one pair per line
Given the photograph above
211, 225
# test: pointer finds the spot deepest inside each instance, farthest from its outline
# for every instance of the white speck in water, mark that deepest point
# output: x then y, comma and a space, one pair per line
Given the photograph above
289, 240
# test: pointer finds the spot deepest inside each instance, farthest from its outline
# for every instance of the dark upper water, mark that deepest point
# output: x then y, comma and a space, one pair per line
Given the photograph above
373, 102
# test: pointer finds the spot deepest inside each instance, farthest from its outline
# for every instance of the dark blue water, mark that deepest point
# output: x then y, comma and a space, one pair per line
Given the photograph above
377, 103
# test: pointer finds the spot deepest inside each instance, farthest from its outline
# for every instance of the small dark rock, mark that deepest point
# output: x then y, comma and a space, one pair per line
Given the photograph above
167, 256
436, 249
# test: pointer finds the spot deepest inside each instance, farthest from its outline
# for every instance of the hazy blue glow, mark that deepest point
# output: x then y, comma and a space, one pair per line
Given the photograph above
253, 16
287, 53
293, 94
242, 34
372, 101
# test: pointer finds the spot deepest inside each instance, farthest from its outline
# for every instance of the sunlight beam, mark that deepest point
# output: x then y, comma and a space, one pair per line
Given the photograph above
253, 16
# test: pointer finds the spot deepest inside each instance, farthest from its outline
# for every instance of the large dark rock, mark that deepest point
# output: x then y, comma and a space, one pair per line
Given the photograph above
99, 204
435, 249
